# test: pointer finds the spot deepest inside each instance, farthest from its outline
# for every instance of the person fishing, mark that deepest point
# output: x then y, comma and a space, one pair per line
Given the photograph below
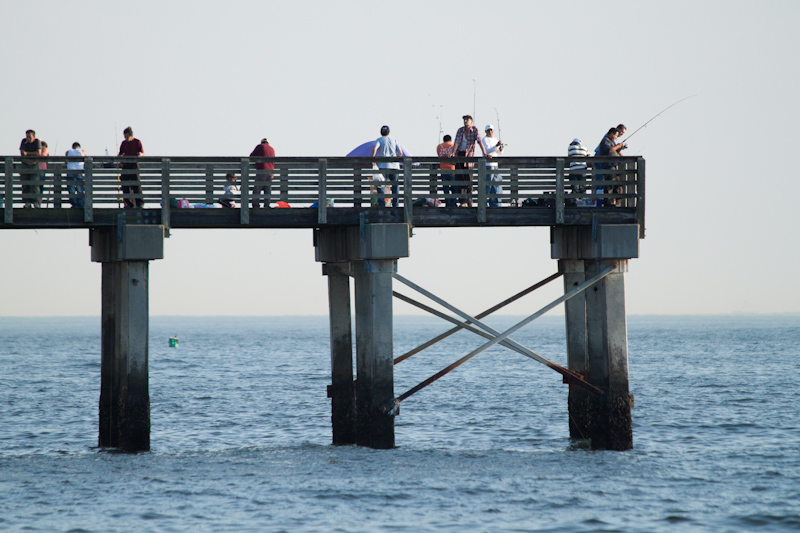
607, 148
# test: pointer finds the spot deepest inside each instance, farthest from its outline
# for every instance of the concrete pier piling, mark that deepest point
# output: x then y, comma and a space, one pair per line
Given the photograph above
374, 352
124, 409
597, 337
372, 251
341, 391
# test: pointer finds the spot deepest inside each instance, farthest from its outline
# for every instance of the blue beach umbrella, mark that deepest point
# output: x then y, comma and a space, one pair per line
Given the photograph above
365, 150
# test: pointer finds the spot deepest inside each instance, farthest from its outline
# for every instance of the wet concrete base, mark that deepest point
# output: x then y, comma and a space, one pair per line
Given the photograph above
579, 406
343, 413
134, 422
605, 420
375, 429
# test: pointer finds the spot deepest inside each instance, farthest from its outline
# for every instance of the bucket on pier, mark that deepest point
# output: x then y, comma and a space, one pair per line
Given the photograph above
173, 341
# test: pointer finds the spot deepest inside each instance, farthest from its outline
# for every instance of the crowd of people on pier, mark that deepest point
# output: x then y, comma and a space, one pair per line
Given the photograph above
33, 169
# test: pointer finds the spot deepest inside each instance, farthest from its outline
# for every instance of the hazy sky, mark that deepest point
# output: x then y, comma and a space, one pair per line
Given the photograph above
319, 78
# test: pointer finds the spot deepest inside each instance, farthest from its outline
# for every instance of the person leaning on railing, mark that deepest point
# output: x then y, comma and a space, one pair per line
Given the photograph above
262, 184
29, 175
607, 148
75, 179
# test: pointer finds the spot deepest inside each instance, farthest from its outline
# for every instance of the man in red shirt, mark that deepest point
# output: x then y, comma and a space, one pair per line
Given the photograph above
263, 179
131, 147
445, 149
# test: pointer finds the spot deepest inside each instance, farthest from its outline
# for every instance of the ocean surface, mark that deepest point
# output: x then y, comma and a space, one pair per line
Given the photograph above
241, 433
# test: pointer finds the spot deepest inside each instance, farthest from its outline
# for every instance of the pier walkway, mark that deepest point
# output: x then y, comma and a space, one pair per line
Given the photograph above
536, 191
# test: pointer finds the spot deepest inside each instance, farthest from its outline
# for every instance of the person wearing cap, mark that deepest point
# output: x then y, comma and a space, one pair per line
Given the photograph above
577, 169
465, 140
262, 183
386, 146
492, 148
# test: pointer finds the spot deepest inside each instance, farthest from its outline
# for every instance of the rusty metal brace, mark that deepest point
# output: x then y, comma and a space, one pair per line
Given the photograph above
573, 377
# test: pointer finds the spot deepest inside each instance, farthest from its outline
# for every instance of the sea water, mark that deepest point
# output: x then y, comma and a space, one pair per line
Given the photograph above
241, 433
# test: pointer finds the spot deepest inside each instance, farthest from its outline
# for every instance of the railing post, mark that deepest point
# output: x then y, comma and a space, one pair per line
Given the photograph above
640, 195
560, 190
56, 185
433, 188
283, 186
244, 209
408, 192
357, 179
482, 191
165, 196
322, 199
209, 184
8, 192
514, 187
88, 188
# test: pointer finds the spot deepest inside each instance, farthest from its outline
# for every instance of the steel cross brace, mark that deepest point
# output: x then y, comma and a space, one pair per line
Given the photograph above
573, 377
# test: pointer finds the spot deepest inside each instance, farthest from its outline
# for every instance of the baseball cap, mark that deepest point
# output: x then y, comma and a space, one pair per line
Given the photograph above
488, 127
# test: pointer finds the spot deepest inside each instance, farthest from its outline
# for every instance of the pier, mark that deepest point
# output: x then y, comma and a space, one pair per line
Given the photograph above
357, 237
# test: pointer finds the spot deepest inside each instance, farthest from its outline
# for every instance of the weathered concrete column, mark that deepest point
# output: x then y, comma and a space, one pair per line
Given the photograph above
374, 352
372, 250
579, 404
602, 329
342, 390
607, 335
124, 392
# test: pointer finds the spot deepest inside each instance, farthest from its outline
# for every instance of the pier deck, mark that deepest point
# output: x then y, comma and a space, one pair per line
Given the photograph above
536, 191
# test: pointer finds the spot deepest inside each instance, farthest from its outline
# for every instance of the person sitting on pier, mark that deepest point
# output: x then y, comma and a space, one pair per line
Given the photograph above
386, 146
230, 191
262, 184
131, 147
466, 138
75, 179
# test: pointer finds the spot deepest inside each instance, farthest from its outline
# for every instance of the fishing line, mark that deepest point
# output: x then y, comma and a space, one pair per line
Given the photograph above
656, 116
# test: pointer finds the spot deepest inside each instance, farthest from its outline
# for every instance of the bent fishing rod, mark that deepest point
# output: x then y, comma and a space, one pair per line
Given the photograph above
656, 116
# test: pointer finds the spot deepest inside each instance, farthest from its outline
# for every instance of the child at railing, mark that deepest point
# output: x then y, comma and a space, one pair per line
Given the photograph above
230, 190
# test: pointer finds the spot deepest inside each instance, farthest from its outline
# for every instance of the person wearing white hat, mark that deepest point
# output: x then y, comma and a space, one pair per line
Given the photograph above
492, 148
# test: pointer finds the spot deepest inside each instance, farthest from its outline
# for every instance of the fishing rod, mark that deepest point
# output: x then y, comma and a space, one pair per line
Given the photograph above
474, 92
656, 116
499, 131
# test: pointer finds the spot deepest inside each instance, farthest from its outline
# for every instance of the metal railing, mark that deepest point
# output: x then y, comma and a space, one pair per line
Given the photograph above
325, 183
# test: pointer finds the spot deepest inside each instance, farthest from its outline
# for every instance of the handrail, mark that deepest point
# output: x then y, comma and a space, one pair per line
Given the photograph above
330, 182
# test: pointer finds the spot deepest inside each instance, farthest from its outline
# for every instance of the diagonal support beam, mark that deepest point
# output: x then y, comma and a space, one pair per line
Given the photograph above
391, 407
486, 328
460, 326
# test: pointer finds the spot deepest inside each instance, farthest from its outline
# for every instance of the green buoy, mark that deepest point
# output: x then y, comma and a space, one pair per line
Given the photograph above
173, 341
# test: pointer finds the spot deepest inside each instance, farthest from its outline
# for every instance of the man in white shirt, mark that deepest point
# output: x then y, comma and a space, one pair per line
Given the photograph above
386, 146
75, 179
492, 148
